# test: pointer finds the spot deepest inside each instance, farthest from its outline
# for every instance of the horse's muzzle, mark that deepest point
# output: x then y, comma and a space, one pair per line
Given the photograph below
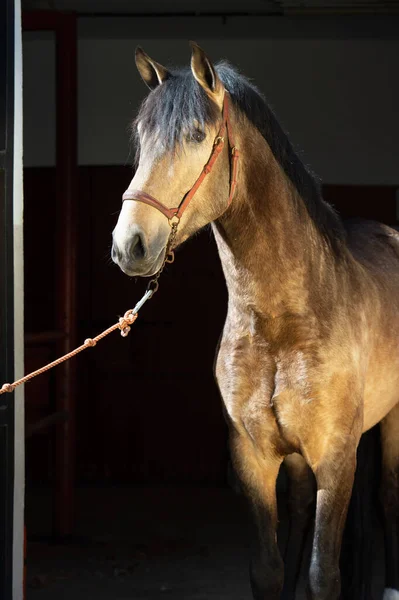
135, 257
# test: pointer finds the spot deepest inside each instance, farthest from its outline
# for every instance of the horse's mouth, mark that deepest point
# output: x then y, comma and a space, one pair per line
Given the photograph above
147, 269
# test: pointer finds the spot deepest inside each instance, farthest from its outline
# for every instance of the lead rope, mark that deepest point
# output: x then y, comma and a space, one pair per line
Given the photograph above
124, 323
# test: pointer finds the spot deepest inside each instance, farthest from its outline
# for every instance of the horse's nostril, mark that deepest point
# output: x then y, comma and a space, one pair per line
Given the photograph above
115, 254
137, 249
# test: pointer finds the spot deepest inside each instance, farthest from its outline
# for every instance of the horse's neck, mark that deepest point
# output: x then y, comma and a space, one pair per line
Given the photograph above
273, 256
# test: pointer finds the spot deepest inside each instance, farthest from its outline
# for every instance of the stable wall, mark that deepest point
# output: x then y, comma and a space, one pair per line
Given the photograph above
333, 84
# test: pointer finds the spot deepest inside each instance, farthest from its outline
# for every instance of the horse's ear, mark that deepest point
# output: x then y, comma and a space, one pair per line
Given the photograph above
204, 72
152, 73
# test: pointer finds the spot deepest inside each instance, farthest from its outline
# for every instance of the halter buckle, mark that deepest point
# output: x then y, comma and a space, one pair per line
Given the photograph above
218, 140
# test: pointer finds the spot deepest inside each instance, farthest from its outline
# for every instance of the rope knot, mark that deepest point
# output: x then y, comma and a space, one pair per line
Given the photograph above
124, 322
7, 387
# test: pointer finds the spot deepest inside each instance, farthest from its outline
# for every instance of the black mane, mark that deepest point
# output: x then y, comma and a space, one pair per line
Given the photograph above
172, 108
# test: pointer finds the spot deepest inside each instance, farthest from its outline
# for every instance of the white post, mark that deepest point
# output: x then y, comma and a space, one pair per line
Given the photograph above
19, 433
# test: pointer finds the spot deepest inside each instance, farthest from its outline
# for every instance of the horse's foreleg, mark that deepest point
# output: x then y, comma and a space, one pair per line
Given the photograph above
257, 472
302, 496
390, 500
334, 473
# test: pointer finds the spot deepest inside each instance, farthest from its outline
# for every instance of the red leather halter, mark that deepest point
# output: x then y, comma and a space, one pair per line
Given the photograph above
174, 214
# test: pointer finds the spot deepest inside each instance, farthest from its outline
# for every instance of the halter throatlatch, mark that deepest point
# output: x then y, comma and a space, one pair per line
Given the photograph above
174, 214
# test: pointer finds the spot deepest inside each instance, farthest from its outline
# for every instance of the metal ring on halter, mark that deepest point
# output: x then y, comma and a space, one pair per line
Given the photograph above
175, 220
153, 286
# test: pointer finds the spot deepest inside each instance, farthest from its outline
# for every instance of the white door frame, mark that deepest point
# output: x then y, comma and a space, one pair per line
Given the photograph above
19, 418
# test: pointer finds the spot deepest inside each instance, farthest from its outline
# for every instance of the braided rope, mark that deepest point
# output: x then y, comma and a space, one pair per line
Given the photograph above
123, 324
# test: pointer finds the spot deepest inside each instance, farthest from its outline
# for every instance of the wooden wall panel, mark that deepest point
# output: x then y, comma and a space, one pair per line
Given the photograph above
39, 305
152, 403
39, 243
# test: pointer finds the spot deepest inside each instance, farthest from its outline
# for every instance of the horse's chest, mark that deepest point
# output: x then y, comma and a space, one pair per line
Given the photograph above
293, 393
293, 377
263, 393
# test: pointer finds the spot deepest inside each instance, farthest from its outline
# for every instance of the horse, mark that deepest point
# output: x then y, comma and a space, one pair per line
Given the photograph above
309, 355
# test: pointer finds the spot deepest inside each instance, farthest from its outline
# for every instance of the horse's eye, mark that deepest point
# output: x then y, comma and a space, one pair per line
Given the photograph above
196, 136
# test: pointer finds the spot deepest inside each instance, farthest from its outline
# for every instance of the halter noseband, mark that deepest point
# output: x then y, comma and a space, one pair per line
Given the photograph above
174, 214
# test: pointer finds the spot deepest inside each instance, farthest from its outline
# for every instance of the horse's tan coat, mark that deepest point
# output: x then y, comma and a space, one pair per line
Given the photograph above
309, 357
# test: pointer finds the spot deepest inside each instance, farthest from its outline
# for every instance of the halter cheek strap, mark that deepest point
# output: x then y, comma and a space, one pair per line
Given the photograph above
174, 214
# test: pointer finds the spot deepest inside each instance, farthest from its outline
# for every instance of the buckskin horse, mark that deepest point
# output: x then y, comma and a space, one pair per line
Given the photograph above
309, 355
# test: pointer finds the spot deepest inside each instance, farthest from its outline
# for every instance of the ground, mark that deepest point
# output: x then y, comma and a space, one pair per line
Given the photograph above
147, 543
